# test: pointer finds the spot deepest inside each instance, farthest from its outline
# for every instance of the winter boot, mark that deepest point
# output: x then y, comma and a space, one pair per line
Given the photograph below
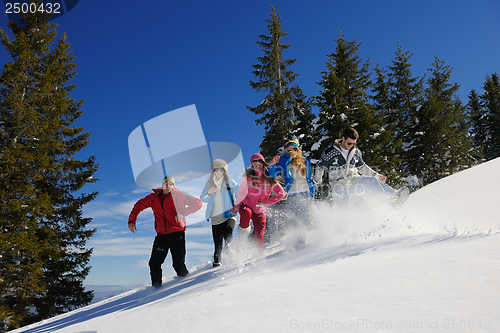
216, 262
400, 197
243, 232
301, 240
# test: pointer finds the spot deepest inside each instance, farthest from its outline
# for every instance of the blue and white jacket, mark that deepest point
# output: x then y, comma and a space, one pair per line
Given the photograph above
281, 168
341, 170
228, 198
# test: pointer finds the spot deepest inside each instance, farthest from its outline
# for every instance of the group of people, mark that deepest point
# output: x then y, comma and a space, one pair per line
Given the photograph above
347, 174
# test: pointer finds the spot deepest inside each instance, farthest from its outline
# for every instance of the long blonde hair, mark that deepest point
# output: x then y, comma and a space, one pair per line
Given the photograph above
298, 161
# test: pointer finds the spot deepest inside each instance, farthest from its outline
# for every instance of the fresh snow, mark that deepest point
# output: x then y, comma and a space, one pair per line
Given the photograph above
433, 266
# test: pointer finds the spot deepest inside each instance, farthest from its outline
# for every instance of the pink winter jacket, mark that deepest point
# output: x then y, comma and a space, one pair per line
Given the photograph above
250, 195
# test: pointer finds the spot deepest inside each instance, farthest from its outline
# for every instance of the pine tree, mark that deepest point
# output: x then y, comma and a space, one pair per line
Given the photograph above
305, 128
491, 104
344, 99
398, 95
440, 144
388, 161
42, 230
478, 117
282, 101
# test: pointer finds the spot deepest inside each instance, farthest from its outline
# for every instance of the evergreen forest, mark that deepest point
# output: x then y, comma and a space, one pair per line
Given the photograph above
413, 128
43, 254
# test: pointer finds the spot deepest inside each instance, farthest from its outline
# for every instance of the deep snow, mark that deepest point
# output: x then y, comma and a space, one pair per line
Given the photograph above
433, 266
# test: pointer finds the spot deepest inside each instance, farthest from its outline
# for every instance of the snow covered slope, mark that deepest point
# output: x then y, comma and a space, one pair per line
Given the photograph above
433, 266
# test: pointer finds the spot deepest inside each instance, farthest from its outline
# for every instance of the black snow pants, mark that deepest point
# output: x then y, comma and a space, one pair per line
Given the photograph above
221, 232
176, 242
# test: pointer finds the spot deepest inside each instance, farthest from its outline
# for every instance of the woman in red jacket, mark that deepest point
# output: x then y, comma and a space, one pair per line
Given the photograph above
169, 206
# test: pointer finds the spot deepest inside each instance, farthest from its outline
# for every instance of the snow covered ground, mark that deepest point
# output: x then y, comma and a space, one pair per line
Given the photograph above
433, 266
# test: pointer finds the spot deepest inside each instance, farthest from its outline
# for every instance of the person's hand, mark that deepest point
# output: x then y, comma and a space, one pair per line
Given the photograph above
212, 190
132, 227
383, 178
235, 210
275, 160
180, 219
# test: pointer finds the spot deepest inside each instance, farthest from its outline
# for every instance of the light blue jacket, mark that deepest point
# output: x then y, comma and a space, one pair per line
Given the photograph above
227, 198
281, 168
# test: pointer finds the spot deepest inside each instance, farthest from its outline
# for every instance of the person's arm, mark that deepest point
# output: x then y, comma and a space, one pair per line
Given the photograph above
138, 207
309, 176
235, 188
206, 193
242, 194
274, 168
279, 193
192, 206
365, 170
318, 174
274, 160
321, 166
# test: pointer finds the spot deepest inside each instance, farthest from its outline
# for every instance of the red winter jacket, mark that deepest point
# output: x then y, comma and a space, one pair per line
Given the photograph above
174, 203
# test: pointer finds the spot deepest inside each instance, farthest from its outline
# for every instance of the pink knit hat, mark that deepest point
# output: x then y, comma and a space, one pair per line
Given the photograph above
257, 156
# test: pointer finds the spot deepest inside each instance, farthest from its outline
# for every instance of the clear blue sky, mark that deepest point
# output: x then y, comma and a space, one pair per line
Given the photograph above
138, 60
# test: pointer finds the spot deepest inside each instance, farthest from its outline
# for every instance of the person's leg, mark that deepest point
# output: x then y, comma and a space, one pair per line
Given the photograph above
218, 232
339, 196
373, 187
244, 227
400, 198
245, 216
158, 255
294, 217
340, 199
302, 205
290, 208
259, 227
276, 223
177, 242
228, 230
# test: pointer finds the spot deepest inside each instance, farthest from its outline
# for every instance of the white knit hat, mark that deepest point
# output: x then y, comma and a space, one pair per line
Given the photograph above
219, 163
